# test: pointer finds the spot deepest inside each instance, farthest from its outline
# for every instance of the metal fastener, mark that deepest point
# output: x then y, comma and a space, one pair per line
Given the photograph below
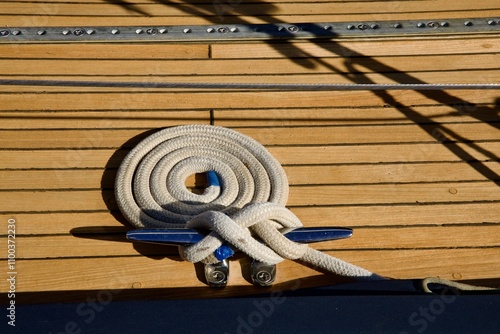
210, 30
263, 274
374, 26
66, 32
293, 29
468, 23
433, 24
40, 32
398, 25
90, 31
78, 32
328, 27
222, 30
281, 28
420, 25
4, 33
491, 22
363, 26
151, 31
16, 32
350, 27
139, 31
234, 29
163, 30
217, 274
186, 30
444, 24
115, 31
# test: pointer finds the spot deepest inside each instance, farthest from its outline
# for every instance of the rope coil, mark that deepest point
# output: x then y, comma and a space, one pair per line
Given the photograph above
151, 192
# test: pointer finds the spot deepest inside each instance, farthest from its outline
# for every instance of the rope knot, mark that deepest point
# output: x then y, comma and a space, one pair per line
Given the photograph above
253, 230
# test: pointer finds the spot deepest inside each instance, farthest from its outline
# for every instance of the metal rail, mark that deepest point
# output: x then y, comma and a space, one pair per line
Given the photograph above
237, 32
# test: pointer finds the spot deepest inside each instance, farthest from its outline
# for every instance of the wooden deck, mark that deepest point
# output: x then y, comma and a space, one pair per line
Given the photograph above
415, 174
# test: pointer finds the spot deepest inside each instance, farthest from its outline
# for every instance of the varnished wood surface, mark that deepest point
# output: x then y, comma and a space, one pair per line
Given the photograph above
416, 174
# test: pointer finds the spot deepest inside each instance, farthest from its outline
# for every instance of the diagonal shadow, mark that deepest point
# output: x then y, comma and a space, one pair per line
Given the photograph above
235, 10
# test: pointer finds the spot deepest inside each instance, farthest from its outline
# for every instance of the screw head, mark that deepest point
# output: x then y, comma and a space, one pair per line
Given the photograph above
263, 276
363, 26
210, 30
222, 30
151, 31
433, 25
234, 29
78, 32
115, 31
4, 33
218, 276
293, 29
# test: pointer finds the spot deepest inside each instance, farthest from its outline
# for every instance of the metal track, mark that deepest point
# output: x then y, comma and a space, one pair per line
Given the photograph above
237, 32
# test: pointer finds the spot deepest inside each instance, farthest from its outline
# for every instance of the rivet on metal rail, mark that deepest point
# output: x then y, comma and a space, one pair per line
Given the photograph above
433, 25
4, 33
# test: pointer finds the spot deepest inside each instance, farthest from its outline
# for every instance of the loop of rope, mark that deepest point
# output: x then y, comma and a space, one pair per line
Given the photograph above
150, 183
151, 192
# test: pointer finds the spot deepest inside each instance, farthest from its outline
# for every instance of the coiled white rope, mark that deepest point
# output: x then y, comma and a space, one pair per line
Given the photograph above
151, 192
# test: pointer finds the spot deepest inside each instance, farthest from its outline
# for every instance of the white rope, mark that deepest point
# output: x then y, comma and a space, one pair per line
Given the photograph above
151, 192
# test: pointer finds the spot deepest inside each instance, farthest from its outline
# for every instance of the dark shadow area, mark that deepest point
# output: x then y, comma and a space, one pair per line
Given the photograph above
109, 175
312, 286
117, 234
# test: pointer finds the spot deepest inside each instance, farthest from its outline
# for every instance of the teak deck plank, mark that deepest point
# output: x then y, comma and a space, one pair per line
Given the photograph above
311, 195
415, 174
143, 272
